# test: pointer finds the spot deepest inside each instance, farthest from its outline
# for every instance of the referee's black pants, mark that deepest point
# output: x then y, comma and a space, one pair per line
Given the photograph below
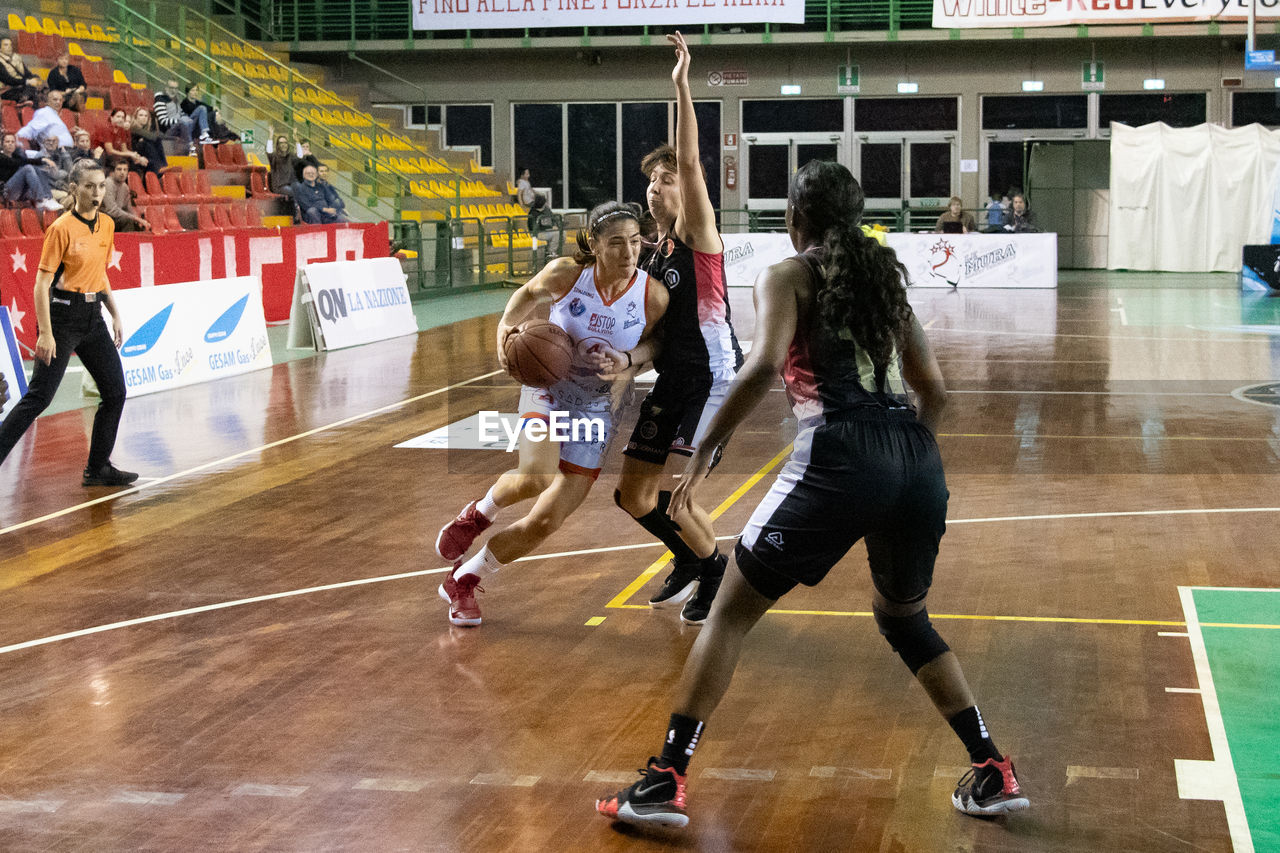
77, 326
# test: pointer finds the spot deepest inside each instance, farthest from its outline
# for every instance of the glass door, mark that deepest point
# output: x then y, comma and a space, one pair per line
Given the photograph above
771, 159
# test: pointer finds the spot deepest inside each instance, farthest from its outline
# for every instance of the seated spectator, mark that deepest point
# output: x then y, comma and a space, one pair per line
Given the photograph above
322, 174
305, 158
19, 83
956, 220
22, 180
117, 201
1019, 218
172, 120
66, 78
198, 110
218, 129
84, 149
281, 157
146, 139
995, 213
48, 119
115, 141
56, 164
318, 203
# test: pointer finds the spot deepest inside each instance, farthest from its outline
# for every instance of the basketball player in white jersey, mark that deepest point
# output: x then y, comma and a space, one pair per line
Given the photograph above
609, 308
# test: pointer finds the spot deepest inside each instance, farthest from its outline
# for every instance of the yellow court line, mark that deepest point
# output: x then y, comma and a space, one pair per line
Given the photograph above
620, 599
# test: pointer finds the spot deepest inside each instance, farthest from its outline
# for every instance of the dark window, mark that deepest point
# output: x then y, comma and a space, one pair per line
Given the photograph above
708, 113
872, 114
644, 128
1176, 109
538, 130
1004, 112
931, 170
881, 164
593, 154
792, 116
767, 168
1260, 107
415, 114
1004, 168
471, 125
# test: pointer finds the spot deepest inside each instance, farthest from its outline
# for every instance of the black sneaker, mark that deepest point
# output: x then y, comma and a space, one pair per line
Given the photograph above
989, 789
108, 475
697, 608
678, 586
658, 799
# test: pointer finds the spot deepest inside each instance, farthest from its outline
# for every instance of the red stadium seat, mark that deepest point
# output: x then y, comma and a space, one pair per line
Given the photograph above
205, 218
154, 189
25, 113
9, 225
68, 117
152, 215
29, 221
49, 216
222, 216
258, 186
209, 156
172, 184
206, 189
236, 211
253, 216
9, 117
136, 187
171, 220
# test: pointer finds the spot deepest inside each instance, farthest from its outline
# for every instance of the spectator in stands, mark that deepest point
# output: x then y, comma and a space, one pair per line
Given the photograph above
524, 190
117, 201
19, 83
218, 129
956, 220
48, 119
173, 121
305, 157
322, 174
281, 157
198, 110
66, 78
22, 180
146, 139
116, 139
318, 203
84, 149
1019, 218
56, 164
995, 214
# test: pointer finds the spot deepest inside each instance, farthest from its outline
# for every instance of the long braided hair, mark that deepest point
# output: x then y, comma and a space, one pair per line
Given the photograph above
864, 284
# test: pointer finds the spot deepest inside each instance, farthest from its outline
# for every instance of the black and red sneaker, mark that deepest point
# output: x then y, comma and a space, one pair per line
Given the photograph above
460, 592
456, 536
658, 799
989, 789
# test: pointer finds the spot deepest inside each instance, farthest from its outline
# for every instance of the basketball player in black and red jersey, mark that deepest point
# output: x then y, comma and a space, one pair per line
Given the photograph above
698, 358
835, 322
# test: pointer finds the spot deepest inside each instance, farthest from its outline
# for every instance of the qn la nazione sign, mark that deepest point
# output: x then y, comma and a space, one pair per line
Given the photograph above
519, 14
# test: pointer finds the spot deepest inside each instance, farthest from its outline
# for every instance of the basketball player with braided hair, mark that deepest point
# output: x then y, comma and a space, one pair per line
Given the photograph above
835, 322
609, 308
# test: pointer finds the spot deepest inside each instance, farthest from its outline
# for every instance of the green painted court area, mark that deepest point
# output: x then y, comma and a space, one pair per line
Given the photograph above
1245, 662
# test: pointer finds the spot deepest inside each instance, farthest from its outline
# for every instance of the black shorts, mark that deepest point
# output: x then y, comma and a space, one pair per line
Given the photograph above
674, 417
877, 474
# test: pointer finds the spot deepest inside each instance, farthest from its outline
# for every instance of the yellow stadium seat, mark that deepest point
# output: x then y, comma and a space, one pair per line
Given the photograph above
49, 26
15, 23
237, 50
118, 76
66, 29
32, 25
82, 31
97, 33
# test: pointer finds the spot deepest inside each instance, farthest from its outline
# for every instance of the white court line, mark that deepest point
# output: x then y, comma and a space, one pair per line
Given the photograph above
140, 485
1172, 634
1005, 333
1222, 780
191, 611
1182, 690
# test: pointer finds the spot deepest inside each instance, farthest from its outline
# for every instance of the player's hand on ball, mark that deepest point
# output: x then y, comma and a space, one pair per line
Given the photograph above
504, 331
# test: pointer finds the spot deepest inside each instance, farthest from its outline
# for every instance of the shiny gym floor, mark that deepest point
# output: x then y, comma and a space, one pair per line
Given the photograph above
245, 652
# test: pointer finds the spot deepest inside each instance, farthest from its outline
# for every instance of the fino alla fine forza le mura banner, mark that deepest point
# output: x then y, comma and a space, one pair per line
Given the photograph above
521, 14
959, 14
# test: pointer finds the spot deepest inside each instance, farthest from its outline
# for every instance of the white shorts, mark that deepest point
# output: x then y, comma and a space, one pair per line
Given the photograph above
583, 433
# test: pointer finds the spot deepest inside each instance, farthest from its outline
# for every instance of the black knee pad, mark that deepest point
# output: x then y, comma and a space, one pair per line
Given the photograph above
912, 637
664, 501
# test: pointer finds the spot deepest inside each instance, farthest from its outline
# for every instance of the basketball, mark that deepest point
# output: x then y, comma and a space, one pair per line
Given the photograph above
538, 354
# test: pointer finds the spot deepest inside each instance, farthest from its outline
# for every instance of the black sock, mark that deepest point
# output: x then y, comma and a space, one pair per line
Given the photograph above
682, 738
968, 725
710, 567
656, 522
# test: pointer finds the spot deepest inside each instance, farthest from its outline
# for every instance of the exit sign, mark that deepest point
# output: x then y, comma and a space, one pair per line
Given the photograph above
1091, 77
847, 80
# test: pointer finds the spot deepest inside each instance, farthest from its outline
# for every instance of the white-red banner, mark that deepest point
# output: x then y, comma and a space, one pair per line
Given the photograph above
519, 14
274, 254
962, 14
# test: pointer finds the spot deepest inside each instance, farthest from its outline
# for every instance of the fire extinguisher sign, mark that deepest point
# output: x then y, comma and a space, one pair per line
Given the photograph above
731, 142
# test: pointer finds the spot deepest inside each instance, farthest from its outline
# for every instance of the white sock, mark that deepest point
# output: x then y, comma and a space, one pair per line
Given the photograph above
487, 507
481, 565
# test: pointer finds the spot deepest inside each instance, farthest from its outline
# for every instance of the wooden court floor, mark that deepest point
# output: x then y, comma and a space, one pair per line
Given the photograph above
246, 651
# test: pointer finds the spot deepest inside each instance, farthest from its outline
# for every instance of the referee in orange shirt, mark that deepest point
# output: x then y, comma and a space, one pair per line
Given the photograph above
71, 287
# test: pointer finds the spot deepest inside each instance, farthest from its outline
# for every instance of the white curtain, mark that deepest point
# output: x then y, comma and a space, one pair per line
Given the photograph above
1187, 199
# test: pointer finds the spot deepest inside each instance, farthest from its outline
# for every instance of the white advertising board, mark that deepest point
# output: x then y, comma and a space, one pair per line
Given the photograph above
978, 260
351, 303
181, 334
15, 380
747, 255
519, 14
957, 14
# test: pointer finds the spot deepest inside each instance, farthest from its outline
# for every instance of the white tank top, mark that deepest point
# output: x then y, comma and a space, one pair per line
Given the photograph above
592, 323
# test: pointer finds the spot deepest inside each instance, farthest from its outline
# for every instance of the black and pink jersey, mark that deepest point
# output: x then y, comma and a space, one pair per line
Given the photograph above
697, 337
826, 375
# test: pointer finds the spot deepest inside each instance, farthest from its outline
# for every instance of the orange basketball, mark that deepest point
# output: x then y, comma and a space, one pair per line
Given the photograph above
538, 354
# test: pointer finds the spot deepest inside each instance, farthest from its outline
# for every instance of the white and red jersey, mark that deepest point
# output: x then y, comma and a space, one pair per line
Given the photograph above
593, 322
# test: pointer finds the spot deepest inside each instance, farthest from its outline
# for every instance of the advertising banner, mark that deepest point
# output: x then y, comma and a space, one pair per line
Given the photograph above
747, 255
181, 334
978, 260
272, 254
355, 302
520, 14
13, 382
961, 14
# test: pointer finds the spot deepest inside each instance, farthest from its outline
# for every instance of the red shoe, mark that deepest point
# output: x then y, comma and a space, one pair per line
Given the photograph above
658, 799
456, 536
460, 592
990, 788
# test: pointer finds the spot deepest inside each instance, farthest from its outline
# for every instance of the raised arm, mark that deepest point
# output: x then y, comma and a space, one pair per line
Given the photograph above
696, 225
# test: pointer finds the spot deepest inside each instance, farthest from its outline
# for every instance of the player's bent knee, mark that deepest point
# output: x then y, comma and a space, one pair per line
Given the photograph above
632, 503
912, 637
